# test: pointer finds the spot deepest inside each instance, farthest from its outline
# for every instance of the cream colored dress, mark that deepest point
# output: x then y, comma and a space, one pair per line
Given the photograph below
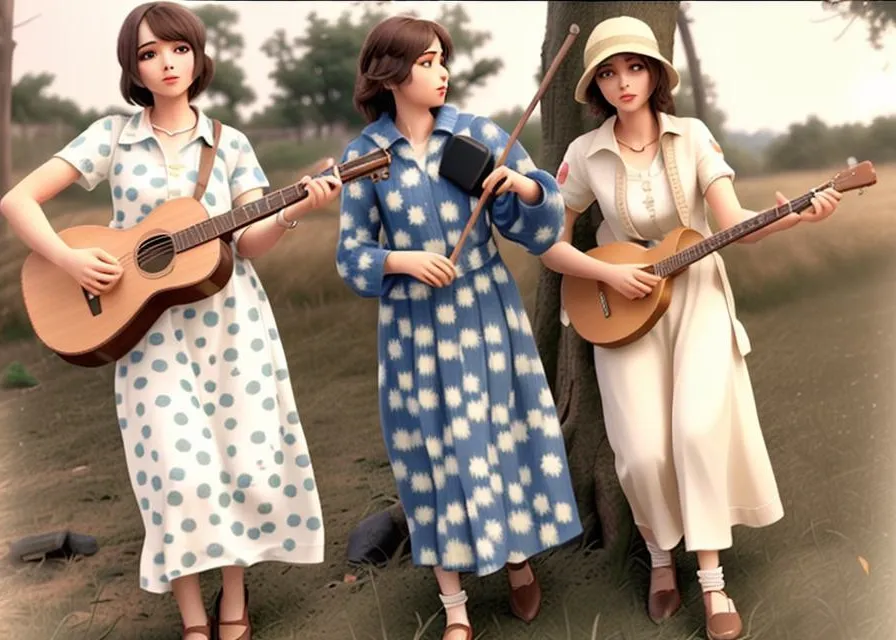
678, 403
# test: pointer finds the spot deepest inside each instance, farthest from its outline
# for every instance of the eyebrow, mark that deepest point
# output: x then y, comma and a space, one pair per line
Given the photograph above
146, 44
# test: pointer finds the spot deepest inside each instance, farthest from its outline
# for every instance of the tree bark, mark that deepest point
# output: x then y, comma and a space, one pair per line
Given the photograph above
567, 358
7, 45
690, 53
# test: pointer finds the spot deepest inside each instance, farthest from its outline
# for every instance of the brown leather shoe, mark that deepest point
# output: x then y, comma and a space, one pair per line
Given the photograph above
525, 601
725, 625
204, 629
663, 601
457, 627
242, 622
458, 599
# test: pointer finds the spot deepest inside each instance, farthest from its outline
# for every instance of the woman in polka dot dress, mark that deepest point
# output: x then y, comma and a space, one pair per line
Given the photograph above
469, 421
215, 450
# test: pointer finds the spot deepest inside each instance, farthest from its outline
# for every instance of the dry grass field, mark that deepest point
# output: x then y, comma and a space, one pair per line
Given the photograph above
817, 301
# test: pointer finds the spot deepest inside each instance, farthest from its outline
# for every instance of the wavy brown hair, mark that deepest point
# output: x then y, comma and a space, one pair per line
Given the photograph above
173, 23
661, 100
390, 50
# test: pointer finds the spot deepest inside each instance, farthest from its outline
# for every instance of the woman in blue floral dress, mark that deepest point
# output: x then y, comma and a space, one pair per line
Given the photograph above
469, 422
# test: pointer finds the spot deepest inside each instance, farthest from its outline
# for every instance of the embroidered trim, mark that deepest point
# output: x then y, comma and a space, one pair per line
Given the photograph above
681, 204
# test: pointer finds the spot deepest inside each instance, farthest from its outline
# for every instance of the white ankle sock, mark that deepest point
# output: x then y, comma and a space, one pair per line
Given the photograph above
658, 557
453, 600
711, 579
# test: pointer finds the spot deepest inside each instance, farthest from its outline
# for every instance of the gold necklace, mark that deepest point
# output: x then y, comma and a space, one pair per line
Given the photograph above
625, 144
174, 133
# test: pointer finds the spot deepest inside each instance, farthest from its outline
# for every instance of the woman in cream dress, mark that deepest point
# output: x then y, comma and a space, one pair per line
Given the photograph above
678, 403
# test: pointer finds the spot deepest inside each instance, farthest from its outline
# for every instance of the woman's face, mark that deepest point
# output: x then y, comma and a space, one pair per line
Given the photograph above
427, 84
624, 80
165, 68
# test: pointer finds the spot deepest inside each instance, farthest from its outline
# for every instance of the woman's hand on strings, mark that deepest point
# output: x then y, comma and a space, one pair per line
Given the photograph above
631, 280
96, 270
823, 205
321, 191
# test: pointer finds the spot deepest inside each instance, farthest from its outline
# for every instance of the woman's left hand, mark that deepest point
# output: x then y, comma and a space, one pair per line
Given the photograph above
321, 191
504, 179
823, 205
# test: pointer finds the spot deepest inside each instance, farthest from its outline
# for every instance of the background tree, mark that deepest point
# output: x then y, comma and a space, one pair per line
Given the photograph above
315, 72
225, 45
698, 96
878, 15
567, 358
7, 46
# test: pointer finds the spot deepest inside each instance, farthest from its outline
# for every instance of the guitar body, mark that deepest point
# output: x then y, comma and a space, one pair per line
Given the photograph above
603, 316
92, 332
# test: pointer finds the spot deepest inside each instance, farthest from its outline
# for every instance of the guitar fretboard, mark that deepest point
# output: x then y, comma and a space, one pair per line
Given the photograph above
242, 216
686, 257
217, 226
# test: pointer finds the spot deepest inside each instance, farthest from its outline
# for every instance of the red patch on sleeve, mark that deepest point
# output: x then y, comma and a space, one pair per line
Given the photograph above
715, 145
562, 173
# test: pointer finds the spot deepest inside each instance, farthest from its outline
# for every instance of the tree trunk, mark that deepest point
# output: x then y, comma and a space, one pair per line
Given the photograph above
690, 53
567, 358
7, 45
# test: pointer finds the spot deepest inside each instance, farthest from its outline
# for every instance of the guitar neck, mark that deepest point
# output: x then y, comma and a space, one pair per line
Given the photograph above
683, 259
239, 217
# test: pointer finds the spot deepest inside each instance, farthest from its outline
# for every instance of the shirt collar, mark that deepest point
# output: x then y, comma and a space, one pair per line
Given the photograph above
139, 128
604, 139
384, 133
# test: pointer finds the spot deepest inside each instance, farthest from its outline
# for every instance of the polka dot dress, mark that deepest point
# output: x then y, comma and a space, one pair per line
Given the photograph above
215, 449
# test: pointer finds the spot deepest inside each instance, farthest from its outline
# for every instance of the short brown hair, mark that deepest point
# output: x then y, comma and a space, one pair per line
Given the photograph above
171, 22
661, 100
389, 52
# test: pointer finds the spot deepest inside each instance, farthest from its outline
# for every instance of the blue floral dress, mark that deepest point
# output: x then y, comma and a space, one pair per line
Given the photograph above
469, 422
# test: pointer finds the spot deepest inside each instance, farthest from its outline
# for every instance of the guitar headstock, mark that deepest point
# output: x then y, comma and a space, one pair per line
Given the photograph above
374, 164
857, 176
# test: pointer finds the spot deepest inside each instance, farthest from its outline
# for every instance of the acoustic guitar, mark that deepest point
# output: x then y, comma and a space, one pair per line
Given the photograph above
177, 255
604, 317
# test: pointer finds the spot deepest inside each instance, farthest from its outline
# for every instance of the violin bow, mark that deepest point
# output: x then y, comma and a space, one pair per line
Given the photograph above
548, 76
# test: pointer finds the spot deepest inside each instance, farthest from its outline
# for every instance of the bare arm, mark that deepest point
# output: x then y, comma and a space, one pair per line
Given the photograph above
258, 238
728, 212
22, 208
565, 258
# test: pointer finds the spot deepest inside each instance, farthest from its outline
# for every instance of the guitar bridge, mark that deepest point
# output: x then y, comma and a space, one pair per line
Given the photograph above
604, 305
93, 302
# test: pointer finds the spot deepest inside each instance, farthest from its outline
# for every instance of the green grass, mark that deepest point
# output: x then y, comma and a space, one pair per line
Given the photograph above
824, 394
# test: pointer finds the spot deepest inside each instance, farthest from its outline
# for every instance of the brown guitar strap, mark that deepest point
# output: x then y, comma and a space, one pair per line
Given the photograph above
206, 160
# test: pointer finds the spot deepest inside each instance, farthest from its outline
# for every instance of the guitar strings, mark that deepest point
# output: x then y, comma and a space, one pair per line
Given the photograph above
160, 245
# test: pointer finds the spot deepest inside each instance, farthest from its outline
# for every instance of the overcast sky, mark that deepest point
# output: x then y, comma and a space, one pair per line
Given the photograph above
740, 44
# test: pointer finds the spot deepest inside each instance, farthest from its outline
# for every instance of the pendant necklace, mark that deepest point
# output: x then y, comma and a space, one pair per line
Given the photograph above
624, 144
174, 133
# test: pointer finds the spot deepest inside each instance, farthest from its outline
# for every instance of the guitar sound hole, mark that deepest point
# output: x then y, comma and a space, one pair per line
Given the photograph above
155, 254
